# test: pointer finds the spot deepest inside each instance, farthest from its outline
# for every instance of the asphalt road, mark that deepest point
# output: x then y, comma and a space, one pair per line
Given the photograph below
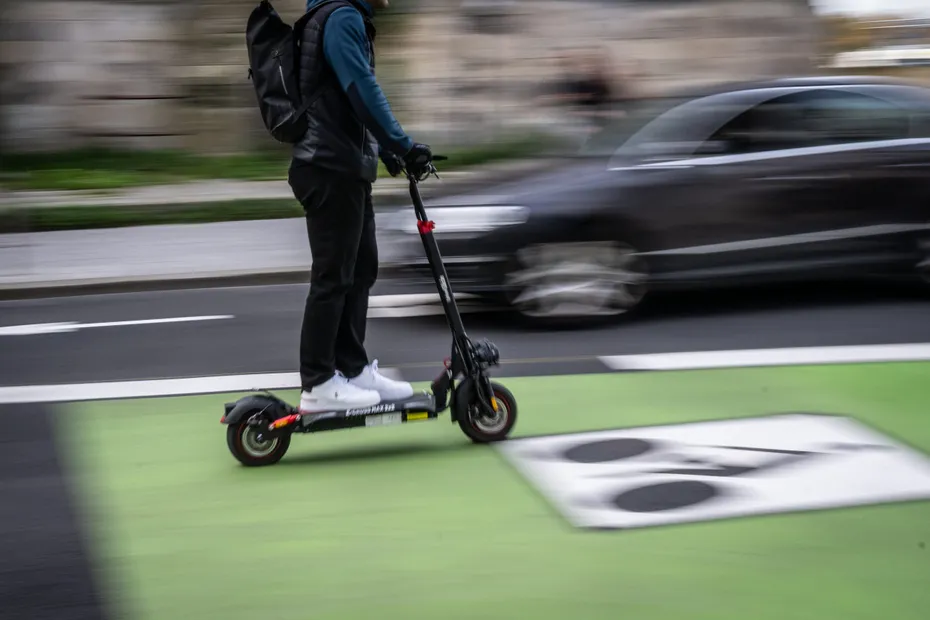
263, 333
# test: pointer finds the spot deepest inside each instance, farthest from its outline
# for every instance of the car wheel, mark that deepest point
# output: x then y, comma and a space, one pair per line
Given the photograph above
565, 282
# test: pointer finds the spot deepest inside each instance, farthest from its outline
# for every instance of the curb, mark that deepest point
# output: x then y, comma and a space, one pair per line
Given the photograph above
105, 286
109, 286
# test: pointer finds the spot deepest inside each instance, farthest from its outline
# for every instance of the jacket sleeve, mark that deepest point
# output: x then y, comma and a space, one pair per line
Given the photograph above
345, 45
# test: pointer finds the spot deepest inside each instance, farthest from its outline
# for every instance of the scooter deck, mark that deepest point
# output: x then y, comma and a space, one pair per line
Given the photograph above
418, 408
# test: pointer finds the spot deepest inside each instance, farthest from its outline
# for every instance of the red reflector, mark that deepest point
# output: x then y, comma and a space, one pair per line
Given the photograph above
425, 227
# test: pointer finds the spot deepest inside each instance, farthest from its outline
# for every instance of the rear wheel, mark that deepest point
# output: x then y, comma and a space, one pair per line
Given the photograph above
253, 449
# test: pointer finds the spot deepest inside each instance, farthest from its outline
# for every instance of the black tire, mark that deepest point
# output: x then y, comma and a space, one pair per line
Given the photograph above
607, 315
237, 438
476, 429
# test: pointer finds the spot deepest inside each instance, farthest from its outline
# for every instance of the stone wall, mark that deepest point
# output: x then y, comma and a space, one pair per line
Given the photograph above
129, 74
490, 78
81, 72
173, 73
219, 109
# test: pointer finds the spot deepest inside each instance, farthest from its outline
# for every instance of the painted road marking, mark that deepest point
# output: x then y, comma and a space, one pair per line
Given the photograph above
770, 357
704, 471
649, 362
72, 326
188, 386
418, 304
410, 300
379, 307
413, 311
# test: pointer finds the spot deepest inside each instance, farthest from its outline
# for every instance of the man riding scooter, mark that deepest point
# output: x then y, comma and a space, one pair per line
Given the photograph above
332, 170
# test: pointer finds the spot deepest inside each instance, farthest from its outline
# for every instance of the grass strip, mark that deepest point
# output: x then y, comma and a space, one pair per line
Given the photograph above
100, 169
48, 219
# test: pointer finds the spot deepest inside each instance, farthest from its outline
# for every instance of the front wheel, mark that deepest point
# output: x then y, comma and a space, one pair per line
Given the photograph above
479, 425
252, 449
574, 283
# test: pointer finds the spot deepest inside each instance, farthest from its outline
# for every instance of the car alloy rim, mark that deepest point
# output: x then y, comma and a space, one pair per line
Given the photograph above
255, 447
578, 279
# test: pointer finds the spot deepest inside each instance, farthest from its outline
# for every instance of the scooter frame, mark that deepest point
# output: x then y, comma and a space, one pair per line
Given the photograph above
463, 387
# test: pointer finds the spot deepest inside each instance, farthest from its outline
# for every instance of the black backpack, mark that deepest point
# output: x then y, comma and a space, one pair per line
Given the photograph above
273, 69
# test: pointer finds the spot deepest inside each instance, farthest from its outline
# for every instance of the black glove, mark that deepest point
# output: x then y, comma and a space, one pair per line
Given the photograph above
418, 159
392, 162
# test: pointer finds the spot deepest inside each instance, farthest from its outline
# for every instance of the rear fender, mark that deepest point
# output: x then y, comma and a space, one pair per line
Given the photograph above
247, 406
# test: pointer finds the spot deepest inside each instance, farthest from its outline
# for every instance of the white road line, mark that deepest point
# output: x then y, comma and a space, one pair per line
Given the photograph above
770, 357
76, 392
72, 326
410, 299
412, 311
649, 362
405, 312
179, 319
380, 307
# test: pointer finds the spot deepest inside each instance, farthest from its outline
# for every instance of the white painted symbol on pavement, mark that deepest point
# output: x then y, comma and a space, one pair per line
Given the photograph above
703, 471
73, 326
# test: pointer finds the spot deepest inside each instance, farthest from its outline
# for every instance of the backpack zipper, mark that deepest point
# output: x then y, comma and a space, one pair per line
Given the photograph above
283, 81
277, 56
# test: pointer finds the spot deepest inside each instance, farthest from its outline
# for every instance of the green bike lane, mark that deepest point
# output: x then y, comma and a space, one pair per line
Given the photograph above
415, 522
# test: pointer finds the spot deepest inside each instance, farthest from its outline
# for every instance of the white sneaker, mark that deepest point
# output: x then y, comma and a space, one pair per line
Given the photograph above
335, 395
390, 390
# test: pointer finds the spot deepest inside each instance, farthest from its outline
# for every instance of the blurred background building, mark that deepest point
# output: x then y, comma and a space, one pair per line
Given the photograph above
171, 74
884, 44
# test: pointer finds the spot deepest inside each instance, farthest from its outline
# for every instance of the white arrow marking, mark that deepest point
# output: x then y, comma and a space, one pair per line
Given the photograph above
61, 328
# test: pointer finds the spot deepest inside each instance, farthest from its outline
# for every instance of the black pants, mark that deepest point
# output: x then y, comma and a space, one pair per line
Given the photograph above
341, 229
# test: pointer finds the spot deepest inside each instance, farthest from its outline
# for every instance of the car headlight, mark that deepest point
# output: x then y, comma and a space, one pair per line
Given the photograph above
463, 220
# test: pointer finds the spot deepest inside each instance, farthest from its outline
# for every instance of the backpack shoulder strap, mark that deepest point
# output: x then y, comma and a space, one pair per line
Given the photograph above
319, 14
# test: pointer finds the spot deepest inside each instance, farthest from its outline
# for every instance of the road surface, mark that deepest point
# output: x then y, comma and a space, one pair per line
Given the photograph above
206, 332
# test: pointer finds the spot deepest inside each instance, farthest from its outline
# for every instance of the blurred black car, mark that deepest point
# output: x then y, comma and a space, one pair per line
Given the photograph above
786, 180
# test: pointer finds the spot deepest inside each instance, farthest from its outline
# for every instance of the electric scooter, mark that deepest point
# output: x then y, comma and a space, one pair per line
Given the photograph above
259, 427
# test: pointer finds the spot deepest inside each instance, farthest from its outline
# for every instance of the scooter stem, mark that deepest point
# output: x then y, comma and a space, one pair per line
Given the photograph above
433, 255
461, 341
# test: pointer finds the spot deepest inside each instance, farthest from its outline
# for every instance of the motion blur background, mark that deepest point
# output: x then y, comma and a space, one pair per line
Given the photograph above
159, 76
150, 246
169, 75
123, 113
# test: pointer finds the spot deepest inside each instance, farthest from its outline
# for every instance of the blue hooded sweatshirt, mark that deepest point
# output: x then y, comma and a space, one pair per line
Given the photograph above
346, 48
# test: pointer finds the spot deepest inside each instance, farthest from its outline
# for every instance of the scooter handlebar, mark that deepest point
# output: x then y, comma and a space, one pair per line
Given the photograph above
429, 171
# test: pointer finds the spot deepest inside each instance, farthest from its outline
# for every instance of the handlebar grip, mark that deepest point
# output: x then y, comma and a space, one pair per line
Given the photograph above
440, 158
